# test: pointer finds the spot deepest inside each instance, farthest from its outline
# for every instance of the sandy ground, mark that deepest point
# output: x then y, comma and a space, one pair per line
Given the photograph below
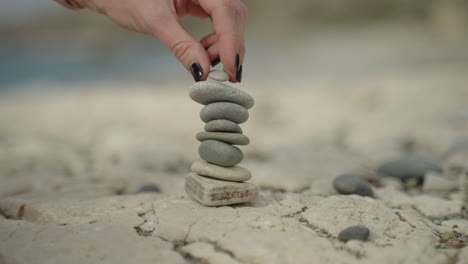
69, 162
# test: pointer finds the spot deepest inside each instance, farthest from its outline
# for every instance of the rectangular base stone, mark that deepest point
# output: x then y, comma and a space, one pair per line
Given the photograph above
213, 192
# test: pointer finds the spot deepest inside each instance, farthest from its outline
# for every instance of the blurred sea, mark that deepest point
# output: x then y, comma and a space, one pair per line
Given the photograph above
42, 42
56, 63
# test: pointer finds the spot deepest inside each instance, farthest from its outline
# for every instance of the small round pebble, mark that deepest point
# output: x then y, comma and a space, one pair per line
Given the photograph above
148, 188
222, 125
408, 169
220, 153
231, 138
219, 76
357, 232
234, 173
209, 92
352, 184
224, 110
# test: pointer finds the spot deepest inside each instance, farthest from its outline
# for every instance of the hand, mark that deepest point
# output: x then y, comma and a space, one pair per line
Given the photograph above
160, 18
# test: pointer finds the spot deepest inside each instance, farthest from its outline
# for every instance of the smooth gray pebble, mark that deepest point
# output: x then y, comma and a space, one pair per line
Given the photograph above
224, 110
356, 232
352, 184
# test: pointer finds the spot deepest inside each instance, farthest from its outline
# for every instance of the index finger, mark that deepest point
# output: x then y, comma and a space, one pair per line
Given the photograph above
228, 18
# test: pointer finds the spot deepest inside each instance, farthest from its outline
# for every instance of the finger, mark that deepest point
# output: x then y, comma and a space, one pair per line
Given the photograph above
195, 10
183, 45
213, 54
209, 40
228, 18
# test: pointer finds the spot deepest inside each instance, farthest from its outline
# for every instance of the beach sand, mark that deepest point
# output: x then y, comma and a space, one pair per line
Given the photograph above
70, 163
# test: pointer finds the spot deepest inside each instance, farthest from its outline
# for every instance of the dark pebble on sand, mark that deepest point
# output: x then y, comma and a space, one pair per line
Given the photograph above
352, 184
408, 169
357, 232
148, 188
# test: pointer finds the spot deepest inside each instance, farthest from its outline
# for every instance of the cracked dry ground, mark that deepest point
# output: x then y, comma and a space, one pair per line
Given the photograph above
69, 172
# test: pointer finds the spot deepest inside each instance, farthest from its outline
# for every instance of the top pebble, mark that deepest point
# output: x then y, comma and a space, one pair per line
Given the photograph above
218, 76
208, 92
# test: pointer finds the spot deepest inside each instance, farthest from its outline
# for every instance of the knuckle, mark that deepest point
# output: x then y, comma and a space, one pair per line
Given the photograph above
235, 6
181, 48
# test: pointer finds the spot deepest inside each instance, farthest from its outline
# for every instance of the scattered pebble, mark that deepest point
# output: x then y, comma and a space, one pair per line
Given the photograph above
224, 110
352, 184
220, 153
222, 125
357, 232
219, 76
408, 170
231, 138
234, 173
148, 188
209, 92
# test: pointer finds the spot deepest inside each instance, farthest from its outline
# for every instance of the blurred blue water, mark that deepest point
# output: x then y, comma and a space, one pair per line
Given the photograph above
64, 64
27, 58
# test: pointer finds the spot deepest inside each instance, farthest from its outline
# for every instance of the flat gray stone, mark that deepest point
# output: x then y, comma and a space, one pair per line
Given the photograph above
408, 169
231, 138
234, 173
213, 192
149, 188
224, 110
219, 76
357, 232
209, 92
222, 125
220, 153
352, 184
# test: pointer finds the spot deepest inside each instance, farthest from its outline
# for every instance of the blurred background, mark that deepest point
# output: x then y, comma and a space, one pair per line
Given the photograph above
42, 42
338, 84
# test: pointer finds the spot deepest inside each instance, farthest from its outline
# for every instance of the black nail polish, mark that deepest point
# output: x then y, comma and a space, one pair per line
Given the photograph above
239, 74
237, 62
196, 70
215, 61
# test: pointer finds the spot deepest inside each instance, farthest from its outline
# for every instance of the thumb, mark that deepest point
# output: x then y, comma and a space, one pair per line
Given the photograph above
185, 47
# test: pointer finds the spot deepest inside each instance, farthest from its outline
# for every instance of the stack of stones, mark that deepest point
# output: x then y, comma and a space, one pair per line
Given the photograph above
216, 180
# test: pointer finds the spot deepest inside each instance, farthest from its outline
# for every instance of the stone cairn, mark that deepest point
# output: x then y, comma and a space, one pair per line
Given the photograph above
217, 181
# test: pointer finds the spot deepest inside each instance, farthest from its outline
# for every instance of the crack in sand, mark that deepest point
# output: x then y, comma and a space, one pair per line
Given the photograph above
190, 229
218, 248
321, 232
13, 232
178, 244
142, 232
292, 215
401, 218
38, 232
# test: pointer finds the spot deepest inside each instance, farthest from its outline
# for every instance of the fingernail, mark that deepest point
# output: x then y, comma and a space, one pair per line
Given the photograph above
196, 70
239, 74
237, 62
215, 61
